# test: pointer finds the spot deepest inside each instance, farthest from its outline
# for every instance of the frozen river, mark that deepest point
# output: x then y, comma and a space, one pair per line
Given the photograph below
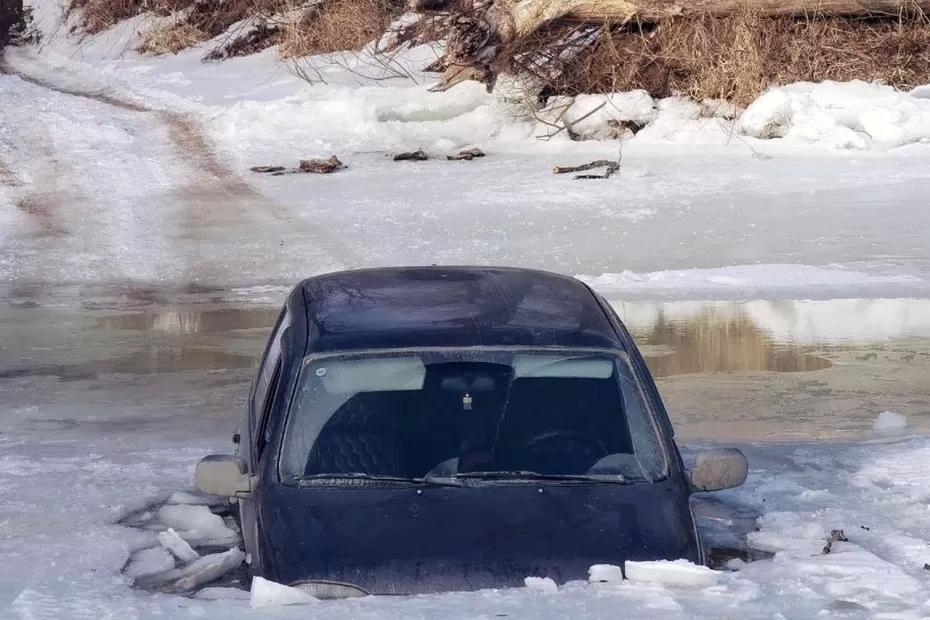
140, 269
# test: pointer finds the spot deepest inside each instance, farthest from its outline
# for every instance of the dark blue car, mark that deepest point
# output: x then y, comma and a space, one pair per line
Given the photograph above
454, 428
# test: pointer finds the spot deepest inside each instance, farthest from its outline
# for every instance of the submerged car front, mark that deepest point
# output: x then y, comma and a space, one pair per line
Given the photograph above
420, 470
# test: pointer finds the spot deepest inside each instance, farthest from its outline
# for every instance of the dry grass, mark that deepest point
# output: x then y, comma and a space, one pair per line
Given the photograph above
98, 15
335, 25
171, 38
736, 58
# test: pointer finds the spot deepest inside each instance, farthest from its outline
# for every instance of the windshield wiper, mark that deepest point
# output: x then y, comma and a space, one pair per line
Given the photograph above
532, 475
322, 479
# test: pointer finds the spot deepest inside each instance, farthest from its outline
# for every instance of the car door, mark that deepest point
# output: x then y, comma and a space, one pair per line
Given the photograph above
253, 430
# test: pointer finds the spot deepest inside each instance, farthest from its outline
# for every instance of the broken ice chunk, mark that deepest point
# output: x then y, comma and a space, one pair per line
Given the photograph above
197, 525
605, 573
149, 562
179, 548
267, 593
543, 584
889, 421
206, 569
194, 499
671, 573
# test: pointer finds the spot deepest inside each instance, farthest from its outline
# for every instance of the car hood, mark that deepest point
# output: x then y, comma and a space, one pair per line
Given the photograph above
416, 539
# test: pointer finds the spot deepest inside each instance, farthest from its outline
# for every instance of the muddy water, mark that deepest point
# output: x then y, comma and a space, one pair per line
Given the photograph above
786, 369
726, 370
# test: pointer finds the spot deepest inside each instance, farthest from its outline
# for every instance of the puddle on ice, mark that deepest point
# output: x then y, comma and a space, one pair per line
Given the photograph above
780, 336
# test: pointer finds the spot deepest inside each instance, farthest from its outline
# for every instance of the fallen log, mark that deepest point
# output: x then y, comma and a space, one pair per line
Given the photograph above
610, 168
482, 33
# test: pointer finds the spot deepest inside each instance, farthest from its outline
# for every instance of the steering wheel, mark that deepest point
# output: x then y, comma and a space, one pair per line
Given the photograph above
582, 445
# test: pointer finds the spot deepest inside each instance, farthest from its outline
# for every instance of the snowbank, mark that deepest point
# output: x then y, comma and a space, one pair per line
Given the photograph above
849, 115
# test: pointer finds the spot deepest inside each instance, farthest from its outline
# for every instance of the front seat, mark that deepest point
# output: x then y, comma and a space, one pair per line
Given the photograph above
361, 437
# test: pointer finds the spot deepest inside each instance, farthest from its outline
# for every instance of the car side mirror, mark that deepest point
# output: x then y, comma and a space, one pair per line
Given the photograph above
714, 470
224, 475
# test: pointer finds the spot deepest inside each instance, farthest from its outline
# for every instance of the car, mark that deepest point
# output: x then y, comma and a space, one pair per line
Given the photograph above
425, 429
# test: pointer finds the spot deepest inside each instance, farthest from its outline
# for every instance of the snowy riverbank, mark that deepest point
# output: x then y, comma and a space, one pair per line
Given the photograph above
698, 210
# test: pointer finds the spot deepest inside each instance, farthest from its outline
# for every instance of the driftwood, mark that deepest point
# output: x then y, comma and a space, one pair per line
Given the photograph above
609, 166
467, 155
417, 155
315, 166
483, 33
321, 166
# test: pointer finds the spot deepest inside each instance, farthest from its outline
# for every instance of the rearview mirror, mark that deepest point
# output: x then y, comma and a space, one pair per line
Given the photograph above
714, 470
224, 475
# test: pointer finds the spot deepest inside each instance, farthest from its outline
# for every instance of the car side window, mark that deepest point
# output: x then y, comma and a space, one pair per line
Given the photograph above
266, 382
261, 430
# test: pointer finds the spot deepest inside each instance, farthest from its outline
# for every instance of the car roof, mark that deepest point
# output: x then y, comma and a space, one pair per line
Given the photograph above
405, 307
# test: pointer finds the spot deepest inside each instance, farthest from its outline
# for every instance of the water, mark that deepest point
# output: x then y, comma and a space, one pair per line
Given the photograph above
784, 369
727, 371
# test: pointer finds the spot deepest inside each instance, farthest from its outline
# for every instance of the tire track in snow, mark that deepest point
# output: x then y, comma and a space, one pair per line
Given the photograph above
214, 197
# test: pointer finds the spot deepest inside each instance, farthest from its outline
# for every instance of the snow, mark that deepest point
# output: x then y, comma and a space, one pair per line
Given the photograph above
695, 204
177, 546
806, 321
267, 593
542, 584
751, 281
196, 524
674, 573
889, 421
605, 573
149, 562
852, 115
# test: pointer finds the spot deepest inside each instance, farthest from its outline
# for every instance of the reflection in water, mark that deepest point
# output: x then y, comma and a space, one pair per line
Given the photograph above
711, 341
149, 360
196, 321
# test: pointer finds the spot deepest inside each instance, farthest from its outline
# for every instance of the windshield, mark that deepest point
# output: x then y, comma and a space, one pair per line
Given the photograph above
474, 413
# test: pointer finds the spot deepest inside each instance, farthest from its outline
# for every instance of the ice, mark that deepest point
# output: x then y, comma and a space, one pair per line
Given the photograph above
218, 593
177, 546
543, 584
889, 421
605, 573
194, 499
196, 524
149, 562
777, 280
267, 593
855, 115
206, 569
671, 573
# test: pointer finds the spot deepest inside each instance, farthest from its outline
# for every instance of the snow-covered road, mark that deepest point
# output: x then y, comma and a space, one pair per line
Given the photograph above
98, 190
